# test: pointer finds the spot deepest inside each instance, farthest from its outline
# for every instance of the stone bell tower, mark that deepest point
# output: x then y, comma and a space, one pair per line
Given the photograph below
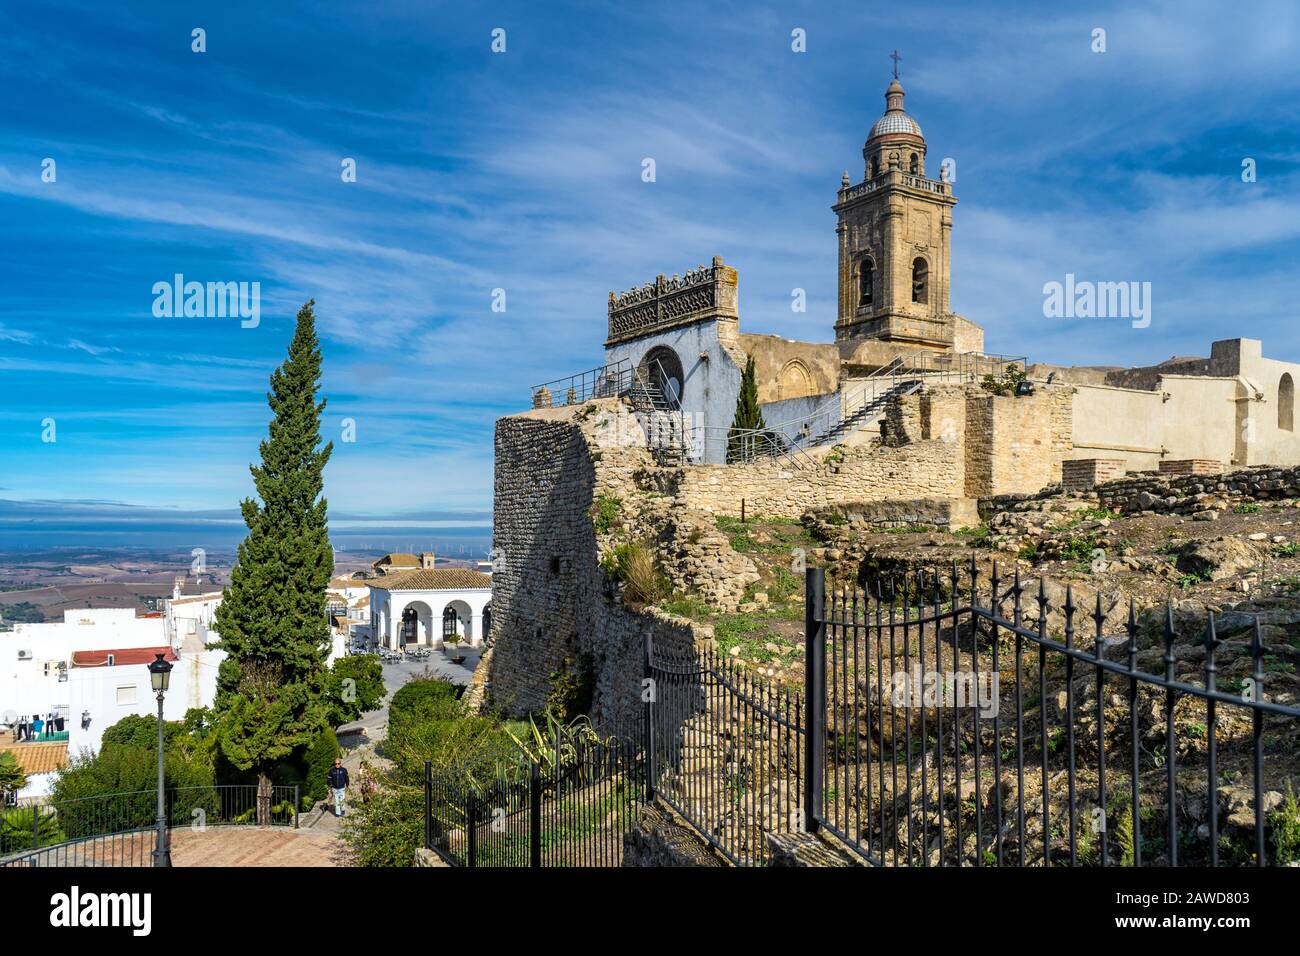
894, 230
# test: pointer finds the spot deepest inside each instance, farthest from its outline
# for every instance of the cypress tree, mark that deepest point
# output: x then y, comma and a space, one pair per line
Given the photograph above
271, 620
748, 415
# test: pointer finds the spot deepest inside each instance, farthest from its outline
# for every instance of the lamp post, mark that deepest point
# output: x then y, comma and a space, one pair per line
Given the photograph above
160, 676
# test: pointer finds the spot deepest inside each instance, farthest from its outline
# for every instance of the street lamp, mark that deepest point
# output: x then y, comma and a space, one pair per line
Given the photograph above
160, 676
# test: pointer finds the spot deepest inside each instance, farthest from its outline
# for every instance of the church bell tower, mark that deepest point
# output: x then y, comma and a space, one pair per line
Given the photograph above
894, 231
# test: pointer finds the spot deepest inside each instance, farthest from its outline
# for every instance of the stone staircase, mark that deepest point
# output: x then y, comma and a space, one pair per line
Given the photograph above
866, 415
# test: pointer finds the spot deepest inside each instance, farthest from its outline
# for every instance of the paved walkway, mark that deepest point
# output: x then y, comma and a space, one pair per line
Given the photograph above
374, 725
256, 846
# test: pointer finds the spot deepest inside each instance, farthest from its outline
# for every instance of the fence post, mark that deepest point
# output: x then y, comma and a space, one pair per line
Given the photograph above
297, 802
651, 690
471, 831
814, 694
535, 816
428, 804
36, 824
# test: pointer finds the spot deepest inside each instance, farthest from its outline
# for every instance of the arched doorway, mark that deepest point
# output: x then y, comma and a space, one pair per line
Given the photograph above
458, 620
663, 369
487, 619
414, 626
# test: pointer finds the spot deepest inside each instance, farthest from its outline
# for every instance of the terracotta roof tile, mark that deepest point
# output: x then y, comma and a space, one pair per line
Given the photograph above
121, 656
432, 579
39, 758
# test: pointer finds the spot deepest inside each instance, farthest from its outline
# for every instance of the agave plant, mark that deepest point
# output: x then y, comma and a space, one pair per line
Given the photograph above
555, 749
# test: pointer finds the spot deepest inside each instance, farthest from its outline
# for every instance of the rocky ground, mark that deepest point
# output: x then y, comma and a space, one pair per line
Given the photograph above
1239, 561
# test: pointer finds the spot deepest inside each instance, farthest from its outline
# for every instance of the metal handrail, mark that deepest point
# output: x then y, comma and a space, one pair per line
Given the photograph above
603, 381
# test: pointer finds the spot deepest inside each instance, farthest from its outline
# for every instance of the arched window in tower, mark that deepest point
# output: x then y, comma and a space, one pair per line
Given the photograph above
866, 283
914, 165
1286, 403
875, 166
920, 281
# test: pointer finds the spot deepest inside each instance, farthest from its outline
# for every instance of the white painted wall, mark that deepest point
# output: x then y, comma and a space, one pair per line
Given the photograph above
33, 686
387, 608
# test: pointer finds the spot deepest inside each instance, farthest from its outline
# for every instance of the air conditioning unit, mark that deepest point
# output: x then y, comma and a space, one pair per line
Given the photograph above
24, 655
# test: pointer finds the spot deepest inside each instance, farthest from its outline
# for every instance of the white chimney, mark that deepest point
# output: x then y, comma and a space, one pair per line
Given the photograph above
176, 587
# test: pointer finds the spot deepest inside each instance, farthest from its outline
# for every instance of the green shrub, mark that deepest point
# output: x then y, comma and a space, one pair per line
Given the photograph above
422, 699
354, 686
573, 686
16, 830
1285, 824
604, 512
317, 762
1012, 376
386, 829
12, 778
123, 765
634, 564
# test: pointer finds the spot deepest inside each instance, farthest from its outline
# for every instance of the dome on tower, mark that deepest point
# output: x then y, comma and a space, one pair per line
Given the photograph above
895, 119
896, 123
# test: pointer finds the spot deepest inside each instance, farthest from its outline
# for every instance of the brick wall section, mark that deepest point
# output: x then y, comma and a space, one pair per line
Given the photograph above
1080, 474
1186, 494
1191, 466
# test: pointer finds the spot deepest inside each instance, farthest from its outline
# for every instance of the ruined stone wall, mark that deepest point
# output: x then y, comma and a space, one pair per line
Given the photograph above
1189, 494
552, 608
1016, 443
923, 469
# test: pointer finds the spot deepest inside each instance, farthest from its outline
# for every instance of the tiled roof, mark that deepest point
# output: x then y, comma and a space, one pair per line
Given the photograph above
399, 558
121, 656
39, 758
432, 579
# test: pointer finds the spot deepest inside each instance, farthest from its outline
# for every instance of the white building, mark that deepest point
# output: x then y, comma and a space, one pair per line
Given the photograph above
427, 605
91, 669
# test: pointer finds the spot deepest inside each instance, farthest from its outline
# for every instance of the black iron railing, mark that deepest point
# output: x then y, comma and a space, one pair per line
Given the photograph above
950, 733
570, 810
946, 720
118, 829
724, 750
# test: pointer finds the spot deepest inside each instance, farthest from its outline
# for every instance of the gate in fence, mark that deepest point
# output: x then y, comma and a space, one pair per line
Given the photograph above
949, 721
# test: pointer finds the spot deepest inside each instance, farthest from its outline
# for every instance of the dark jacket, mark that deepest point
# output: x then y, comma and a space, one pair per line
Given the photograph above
338, 778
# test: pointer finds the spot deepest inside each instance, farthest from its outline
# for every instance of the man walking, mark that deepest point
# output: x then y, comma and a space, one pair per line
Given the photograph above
338, 781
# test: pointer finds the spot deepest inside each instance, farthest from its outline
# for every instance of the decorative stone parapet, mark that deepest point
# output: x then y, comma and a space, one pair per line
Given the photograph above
708, 292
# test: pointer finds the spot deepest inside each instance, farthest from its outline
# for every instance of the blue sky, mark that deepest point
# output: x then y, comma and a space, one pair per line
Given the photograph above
522, 171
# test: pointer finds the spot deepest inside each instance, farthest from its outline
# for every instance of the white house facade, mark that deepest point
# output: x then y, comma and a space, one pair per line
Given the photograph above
91, 670
428, 605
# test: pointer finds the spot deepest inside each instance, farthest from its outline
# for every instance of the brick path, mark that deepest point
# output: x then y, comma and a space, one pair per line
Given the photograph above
255, 846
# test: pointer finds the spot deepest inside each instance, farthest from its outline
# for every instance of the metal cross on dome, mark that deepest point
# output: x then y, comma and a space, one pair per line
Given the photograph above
895, 57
